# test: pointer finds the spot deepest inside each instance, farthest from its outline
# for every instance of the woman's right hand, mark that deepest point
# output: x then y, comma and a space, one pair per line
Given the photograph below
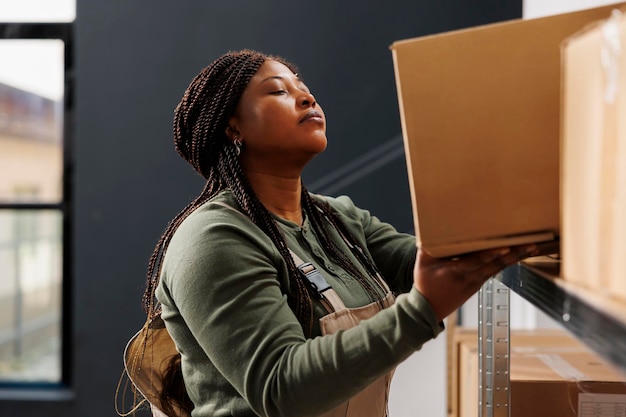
448, 282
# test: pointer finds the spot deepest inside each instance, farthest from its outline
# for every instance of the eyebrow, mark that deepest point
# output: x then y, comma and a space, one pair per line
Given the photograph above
280, 77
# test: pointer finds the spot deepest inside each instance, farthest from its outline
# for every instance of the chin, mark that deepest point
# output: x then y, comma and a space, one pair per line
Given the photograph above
320, 144
313, 145
318, 150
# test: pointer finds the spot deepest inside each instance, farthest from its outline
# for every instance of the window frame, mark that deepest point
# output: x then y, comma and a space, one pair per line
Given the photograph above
64, 32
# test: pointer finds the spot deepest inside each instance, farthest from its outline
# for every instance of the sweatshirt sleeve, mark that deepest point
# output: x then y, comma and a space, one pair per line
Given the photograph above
234, 307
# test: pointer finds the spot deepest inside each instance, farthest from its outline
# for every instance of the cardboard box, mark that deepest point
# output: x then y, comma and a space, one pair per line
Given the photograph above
456, 337
594, 157
480, 120
547, 381
521, 341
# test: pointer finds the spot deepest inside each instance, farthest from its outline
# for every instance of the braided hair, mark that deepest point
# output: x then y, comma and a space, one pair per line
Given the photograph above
200, 123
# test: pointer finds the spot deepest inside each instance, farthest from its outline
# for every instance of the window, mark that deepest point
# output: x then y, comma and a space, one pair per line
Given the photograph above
47, 11
35, 197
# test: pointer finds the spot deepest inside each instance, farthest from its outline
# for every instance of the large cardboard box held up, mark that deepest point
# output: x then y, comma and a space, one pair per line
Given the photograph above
594, 157
549, 381
480, 120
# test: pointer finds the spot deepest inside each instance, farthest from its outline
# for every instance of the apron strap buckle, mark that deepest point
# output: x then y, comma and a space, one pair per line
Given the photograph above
316, 281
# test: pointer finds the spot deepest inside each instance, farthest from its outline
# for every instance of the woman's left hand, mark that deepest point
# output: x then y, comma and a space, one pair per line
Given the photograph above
448, 282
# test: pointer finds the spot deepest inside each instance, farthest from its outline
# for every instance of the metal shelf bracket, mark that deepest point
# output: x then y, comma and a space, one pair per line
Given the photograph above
493, 349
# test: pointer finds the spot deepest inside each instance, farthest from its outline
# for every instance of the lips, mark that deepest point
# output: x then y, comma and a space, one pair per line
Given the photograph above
312, 115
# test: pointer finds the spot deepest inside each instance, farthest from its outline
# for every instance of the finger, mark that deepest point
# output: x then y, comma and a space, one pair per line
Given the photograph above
425, 259
515, 255
472, 262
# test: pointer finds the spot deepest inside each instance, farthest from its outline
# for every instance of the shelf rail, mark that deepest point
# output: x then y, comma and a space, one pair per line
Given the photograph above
493, 349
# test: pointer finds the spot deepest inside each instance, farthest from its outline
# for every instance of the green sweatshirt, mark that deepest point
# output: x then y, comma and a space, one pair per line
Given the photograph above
223, 293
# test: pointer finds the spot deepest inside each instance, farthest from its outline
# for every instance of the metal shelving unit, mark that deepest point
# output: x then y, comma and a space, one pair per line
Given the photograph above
595, 319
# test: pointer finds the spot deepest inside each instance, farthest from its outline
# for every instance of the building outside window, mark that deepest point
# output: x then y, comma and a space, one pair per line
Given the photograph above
35, 197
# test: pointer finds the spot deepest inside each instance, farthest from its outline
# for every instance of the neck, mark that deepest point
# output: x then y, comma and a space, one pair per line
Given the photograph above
280, 195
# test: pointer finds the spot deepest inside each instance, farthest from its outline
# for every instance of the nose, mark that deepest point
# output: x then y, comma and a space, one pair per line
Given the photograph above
307, 100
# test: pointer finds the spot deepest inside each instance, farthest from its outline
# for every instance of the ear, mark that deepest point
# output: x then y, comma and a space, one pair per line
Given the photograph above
231, 130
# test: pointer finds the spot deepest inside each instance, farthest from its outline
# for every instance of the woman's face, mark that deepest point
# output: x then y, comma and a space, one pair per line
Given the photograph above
280, 123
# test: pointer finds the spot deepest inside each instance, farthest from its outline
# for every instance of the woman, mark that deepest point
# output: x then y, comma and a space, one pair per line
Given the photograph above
281, 302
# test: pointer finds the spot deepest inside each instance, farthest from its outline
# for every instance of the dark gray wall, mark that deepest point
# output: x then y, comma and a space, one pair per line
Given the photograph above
134, 60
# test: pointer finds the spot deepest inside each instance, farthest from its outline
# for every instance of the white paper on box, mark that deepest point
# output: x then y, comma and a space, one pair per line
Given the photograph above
601, 405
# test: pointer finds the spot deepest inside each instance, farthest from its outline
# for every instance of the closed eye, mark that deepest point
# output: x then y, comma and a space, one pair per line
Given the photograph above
278, 92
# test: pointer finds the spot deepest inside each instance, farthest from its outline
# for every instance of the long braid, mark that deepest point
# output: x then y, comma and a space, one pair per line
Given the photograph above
299, 300
321, 214
153, 278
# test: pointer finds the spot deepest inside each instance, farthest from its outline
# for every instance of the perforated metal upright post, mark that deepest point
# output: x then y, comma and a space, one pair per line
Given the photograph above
493, 350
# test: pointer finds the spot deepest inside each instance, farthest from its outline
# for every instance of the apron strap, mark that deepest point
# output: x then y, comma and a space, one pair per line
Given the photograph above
318, 284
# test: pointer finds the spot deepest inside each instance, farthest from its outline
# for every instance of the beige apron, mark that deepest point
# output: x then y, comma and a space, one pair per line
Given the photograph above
371, 401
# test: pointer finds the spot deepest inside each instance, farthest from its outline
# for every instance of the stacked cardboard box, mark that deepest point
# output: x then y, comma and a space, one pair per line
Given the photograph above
594, 156
549, 370
463, 338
